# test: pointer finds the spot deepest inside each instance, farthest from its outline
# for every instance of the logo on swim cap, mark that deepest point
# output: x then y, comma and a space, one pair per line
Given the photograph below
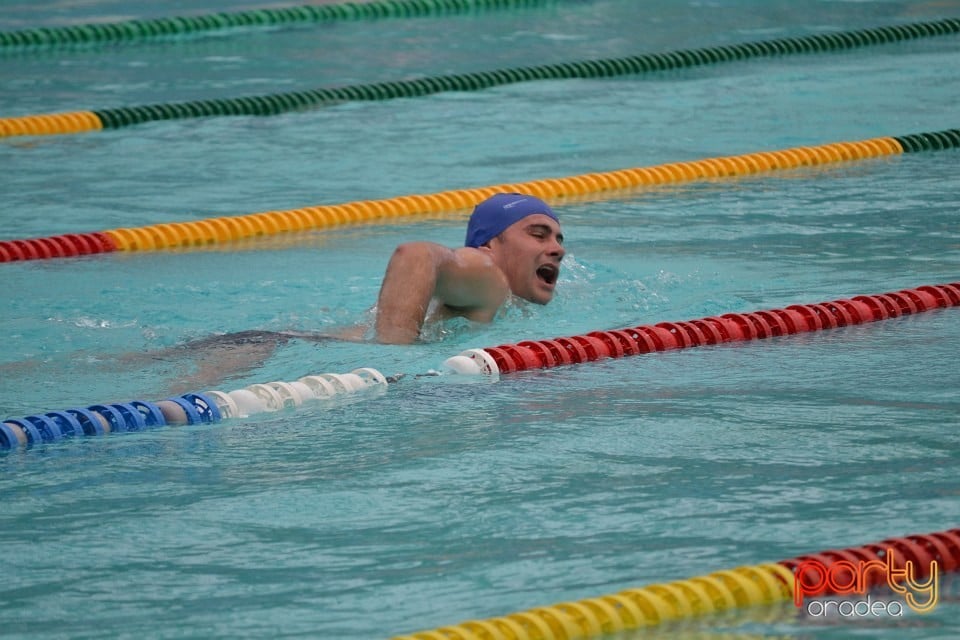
492, 216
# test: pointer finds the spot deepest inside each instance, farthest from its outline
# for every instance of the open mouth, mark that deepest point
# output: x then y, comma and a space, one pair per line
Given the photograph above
549, 273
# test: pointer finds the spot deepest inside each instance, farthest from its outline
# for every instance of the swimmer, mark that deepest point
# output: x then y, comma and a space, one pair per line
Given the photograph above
513, 246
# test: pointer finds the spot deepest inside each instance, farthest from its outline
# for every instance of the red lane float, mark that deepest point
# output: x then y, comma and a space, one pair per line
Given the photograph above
63, 246
875, 564
730, 327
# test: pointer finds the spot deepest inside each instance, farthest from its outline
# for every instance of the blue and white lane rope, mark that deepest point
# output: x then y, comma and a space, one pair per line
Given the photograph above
189, 408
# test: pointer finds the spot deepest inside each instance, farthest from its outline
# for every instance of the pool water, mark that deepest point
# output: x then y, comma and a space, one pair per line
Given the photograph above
447, 499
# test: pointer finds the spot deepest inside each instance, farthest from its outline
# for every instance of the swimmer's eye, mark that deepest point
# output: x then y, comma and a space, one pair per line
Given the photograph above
543, 232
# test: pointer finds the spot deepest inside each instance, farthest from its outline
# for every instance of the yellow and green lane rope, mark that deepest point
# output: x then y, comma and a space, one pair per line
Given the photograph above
266, 105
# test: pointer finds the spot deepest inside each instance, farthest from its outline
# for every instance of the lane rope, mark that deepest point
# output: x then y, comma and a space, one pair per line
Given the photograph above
212, 406
730, 327
204, 407
930, 555
827, 573
273, 104
220, 230
150, 28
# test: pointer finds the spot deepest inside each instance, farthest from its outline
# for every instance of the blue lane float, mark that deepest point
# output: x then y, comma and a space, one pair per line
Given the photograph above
188, 409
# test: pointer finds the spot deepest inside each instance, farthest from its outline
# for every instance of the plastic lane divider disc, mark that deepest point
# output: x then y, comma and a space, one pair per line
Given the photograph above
338, 382
289, 397
462, 365
270, 398
482, 363
320, 387
109, 418
132, 418
55, 425
248, 403
26, 427
370, 377
353, 381
91, 423
228, 408
152, 416
207, 410
304, 391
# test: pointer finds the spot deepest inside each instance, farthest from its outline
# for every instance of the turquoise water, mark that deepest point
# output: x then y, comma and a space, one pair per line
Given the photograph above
440, 501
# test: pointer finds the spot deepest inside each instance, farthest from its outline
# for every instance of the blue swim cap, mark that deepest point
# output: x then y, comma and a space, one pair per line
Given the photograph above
498, 212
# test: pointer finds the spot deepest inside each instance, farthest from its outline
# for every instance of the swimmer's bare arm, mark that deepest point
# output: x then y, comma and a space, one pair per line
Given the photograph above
464, 279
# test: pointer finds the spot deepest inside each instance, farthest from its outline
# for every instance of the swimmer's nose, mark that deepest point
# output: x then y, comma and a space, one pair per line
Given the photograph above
557, 250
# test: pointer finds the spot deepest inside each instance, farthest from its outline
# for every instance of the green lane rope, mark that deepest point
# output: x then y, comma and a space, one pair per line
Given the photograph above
224, 230
931, 141
136, 30
283, 102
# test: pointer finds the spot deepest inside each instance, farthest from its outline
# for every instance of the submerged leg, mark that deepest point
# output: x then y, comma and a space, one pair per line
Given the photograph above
217, 358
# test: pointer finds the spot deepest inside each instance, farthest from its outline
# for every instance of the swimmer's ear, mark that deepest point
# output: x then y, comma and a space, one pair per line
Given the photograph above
484, 247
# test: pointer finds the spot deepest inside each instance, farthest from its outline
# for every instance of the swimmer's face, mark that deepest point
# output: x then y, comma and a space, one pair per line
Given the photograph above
529, 253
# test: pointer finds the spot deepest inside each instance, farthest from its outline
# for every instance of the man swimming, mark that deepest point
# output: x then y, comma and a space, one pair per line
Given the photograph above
513, 246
